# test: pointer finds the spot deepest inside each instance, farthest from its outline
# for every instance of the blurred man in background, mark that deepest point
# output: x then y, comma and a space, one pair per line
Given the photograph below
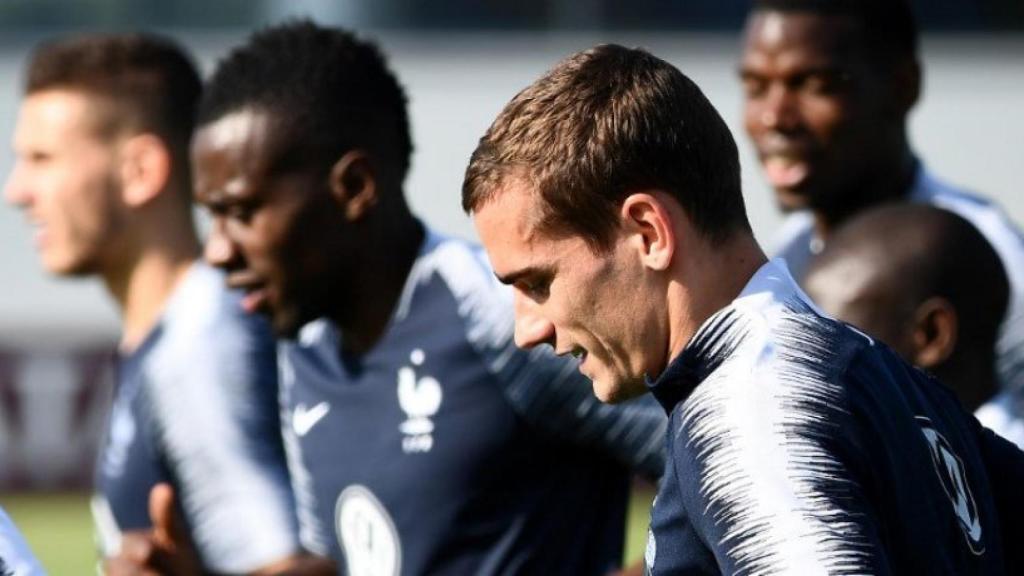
926, 282
829, 85
102, 173
607, 193
420, 440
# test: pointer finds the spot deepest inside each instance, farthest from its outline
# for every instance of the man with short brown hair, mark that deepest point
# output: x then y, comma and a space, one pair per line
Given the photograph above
796, 444
103, 175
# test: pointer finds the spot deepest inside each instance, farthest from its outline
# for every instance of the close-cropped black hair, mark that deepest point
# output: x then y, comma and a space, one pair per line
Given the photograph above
329, 89
888, 26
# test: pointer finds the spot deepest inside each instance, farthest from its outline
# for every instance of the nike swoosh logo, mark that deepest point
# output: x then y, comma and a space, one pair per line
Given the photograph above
303, 419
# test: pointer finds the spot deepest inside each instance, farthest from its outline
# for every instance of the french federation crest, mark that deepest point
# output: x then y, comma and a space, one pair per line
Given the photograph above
420, 398
953, 477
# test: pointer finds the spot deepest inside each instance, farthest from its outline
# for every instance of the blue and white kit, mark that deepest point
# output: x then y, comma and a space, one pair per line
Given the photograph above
797, 243
797, 444
15, 557
447, 450
196, 406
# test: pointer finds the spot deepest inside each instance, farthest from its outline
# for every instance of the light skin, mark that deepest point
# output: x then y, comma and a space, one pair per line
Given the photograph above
101, 201
625, 311
104, 201
827, 121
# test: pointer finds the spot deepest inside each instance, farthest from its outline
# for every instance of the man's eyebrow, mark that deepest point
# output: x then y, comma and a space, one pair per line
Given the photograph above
811, 70
513, 277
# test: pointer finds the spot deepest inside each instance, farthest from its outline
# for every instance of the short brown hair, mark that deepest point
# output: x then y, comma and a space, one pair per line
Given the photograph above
150, 82
603, 123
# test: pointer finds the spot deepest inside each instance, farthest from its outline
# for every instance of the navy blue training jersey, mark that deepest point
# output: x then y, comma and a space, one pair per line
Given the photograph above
446, 450
196, 406
799, 445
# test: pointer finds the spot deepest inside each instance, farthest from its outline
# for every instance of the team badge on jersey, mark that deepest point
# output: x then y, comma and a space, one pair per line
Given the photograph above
420, 399
953, 477
367, 534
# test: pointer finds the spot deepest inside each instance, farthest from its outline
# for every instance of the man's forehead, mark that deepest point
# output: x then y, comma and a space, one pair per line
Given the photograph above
516, 205
818, 34
507, 223
70, 111
234, 129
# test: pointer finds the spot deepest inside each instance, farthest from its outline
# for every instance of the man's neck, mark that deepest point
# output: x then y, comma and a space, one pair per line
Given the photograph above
972, 376
142, 286
889, 182
367, 309
709, 279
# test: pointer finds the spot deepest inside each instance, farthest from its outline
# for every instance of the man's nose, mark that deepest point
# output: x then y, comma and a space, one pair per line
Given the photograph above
220, 249
780, 109
531, 328
16, 191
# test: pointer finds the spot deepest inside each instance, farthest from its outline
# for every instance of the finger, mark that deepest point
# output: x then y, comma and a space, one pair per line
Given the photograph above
167, 526
137, 547
121, 566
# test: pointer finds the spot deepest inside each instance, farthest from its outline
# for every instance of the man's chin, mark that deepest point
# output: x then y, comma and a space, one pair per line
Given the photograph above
792, 199
617, 392
286, 325
69, 268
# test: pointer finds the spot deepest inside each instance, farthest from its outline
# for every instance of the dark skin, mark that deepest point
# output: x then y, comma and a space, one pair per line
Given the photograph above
868, 288
302, 243
827, 119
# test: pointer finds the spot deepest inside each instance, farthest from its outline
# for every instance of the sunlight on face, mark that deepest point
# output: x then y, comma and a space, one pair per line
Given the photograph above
65, 179
569, 296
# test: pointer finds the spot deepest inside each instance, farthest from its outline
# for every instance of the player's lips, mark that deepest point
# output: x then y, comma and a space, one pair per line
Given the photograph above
255, 294
254, 301
785, 171
40, 235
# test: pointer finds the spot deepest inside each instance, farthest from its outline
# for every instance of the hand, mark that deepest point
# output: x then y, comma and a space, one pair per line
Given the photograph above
164, 550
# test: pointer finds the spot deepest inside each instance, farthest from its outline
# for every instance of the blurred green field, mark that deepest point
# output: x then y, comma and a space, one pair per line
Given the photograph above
59, 529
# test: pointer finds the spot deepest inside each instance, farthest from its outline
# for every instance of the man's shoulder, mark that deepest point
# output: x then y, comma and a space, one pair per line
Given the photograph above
793, 241
205, 317
457, 271
461, 266
790, 361
986, 215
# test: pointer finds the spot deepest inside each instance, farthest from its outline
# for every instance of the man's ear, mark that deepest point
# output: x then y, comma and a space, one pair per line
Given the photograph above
145, 168
647, 219
934, 332
353, 182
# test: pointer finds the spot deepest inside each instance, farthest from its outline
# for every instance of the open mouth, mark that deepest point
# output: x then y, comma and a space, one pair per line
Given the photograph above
254, 300
785, 171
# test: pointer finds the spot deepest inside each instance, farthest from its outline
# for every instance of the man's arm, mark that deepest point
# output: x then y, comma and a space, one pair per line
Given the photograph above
1004, 463
213, 403
167, 550
764, 488
551, 394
